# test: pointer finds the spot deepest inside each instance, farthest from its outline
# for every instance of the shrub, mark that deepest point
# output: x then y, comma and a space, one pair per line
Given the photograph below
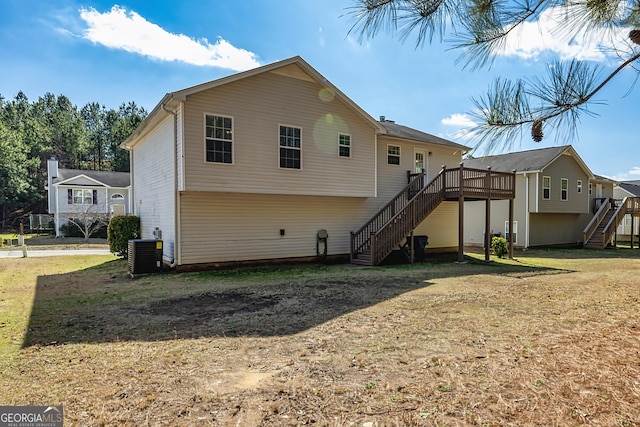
77, 228
499, 246
122, 228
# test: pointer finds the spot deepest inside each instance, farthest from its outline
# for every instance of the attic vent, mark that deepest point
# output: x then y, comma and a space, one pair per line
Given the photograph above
382, 118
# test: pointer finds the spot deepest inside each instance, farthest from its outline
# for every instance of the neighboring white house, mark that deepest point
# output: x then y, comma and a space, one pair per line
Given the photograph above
556, 197
76, 193
620, 191
274, 163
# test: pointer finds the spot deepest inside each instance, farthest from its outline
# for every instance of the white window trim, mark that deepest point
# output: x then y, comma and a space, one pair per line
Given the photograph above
339, 145
590, 188
73, 198
117, 196
398, 155
292, 148
543, 187
233, 138
579, 184
564, 180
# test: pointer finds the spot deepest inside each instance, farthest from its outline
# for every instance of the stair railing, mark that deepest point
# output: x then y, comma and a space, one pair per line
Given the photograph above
626, 206
595, 221
361, 239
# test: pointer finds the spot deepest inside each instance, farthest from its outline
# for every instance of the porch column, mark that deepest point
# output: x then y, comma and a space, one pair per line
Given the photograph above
487, 217
487, 231
461, 214
633, 222
511, 228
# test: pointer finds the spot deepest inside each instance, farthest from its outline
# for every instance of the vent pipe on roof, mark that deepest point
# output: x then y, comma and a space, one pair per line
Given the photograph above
382, 118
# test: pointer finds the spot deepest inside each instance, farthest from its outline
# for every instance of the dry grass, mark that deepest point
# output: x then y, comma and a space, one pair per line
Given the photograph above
551, 339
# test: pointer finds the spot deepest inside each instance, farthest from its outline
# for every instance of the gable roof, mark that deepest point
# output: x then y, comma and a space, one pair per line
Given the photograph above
400, 131
108, 179
304, 70
631, 187
526, 161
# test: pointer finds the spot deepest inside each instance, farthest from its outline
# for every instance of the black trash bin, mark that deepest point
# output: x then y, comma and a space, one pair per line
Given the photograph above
420, 242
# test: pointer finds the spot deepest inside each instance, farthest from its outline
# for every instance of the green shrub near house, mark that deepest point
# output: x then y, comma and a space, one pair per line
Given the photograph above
499, 246
121, 229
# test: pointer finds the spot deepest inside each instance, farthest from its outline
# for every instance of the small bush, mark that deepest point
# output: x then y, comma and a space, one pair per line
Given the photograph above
122, 228
76, 229
499, 246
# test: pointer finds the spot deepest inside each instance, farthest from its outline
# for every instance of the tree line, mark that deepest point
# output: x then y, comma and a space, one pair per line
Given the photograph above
31, 132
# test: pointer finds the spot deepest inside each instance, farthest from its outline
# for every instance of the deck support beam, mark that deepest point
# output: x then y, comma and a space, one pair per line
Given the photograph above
511, 228
487, 229
461, 214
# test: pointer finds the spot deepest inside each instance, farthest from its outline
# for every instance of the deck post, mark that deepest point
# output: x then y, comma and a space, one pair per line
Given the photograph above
632, 230
487, 218
461, 214
511, 228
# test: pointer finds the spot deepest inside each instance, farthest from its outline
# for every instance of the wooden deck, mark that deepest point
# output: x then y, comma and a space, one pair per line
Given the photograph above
397, 220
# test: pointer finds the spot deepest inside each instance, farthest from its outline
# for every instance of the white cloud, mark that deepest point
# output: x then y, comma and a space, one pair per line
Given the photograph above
549, 34
459, 120
120, 29
631, 175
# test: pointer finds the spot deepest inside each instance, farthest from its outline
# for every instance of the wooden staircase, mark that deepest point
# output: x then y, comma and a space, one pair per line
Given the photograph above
602, 228
597, 239
383, 233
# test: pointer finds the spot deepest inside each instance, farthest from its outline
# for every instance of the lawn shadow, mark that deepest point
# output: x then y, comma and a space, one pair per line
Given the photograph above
102, 304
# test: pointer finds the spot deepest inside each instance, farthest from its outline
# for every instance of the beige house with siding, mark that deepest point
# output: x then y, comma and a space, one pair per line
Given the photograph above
556, 197
262, 164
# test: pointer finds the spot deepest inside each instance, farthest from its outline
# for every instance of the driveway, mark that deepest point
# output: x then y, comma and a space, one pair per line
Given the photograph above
18, 253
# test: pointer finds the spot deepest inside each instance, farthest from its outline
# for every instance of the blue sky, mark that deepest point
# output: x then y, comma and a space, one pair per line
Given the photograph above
106, 52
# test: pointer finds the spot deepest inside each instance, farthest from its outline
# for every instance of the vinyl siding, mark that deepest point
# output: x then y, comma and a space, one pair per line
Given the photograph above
222, 227
258, 105
442, 224
65, 208
153, 178
564, 166
556, 229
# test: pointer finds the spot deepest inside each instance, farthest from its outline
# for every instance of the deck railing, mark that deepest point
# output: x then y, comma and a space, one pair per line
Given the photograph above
398, 218
629, 205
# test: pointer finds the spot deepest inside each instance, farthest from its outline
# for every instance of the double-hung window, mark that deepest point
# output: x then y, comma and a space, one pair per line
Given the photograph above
564, 189
579, 186
344, 145
393, 154
81, 197
219, 139
546, 187
290, 147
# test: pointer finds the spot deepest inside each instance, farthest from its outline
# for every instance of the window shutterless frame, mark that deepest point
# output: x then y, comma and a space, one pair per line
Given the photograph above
219, 141
344, 145
393, 155
546, 188
289, 147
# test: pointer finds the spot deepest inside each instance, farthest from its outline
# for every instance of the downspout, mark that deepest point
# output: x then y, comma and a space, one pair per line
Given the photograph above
175, 186
526, 210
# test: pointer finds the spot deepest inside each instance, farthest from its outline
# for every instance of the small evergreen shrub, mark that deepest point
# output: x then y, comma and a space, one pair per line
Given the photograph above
122, 228
499, 246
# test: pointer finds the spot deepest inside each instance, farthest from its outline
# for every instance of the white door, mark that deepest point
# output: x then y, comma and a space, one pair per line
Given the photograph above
598, 191
420, 163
